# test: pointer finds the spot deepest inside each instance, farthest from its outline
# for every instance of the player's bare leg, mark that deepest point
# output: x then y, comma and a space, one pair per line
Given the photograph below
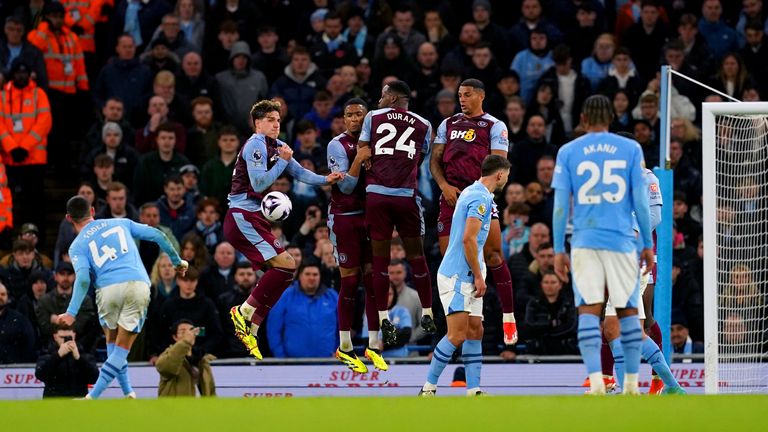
458, 324
264, 295
116, 362
653, 331
472, 355
502, 279
414, 253
381, 260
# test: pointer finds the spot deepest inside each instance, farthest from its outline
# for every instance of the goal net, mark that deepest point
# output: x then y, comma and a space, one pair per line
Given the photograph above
735, 158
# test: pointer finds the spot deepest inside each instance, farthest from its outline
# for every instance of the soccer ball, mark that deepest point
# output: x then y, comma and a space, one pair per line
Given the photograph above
276, 206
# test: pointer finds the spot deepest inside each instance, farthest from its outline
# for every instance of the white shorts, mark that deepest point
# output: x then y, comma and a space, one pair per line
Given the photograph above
459, 296
123, 304
644, 281
595, 269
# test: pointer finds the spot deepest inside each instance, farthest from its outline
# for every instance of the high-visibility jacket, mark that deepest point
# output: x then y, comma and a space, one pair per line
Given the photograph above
84, 14
25, 121
6, 203
63, 57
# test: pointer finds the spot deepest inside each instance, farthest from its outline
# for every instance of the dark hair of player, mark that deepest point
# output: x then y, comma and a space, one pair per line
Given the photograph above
474, 83
356, 101
400, 89
78, 208
493, 164
597, 110
261, 108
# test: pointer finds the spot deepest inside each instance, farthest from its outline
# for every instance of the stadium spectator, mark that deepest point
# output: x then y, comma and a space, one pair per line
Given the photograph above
24, 145
330, 50
117, 204
103, 175
303, 322
581, 38
680, 337
550, 319
623, 76
138, 18
269, 57
532, 62
175, 211
217, 53
17, 337
164, 85
688, 297
407, 297
732, 76
163, 278
29, 303
20, 264
16, 47
194, 251
245, 14
460, 56
490, 32
401, 318
402, 28
219, 277
216, 176
65, 368
189, 179
436, 33
721, 39
514, 112
645, 38
755, 55
185, 370
245, 280
191, 22
311, 230
357, 33
308, 146
545, 169
31, 233
484, 65
329, 266
149, 214
530, 286
514, 193
155, 166
569, 88
240, 86
193, 81
191, 306
113, 110
525, 153
622, 118
322, 113
55, 302
124, 157
159, 57
202, 137
170, 29
595, 67
518, 263
687, 177
684, 224
515, 235
532, 18
208, 225
426, 78
146, 137
697, 51
546, 105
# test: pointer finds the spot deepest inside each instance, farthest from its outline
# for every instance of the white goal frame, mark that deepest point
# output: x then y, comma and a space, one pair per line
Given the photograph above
711, 345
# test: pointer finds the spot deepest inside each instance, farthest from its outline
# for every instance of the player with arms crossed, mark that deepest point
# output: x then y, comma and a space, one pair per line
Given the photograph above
346, 220
108, 249
651, 352
463, 141
260, 162
461, 277
604, 174
399, 140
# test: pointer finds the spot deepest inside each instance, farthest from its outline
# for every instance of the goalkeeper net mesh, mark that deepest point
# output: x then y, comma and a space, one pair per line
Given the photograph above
741, 189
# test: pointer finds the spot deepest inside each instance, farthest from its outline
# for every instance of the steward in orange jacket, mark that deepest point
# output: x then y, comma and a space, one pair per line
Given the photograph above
81, 18
25, 120
62, 51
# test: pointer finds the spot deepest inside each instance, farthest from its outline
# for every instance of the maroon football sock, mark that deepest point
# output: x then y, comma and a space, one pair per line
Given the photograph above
370, 303
606, 358
503, 281
654, 332
381, 283
346, 305
421, 280
268, 291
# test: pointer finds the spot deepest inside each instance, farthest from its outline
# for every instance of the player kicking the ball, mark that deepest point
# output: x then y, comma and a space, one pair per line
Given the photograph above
107, 249
399, 141
260, 162
463, 141
346, 220
461, 277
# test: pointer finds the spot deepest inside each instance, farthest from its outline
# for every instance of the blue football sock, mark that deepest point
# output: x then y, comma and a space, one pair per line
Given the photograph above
472, 354
109, 370
618, 358
631, 342
590, 342
653, 356
122, 377
440, 358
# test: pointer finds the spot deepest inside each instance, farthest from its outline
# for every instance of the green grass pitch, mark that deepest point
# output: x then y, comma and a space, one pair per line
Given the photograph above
520, 413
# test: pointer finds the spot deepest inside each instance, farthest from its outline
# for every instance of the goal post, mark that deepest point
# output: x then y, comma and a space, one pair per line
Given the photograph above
735, 217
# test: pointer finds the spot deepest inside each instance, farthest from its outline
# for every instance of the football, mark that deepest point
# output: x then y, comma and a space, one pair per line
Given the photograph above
276, 206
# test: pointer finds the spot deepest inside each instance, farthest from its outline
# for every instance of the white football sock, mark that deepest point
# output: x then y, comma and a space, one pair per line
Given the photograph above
596, 384
254, 329
383, 315
473, 391
427, 311
429, 387
508, 317
247, 310
345, 338
373, 339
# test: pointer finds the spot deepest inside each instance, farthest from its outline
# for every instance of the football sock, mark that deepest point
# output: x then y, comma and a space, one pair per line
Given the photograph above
122, 377
654, 332
472, 355
427, 312
421, 281
440, 358
503, 282
346, 303
589, 342
345, 340
109, 370
373, 339
267, 292
631, 343
618, 357
381, 284
606, 358
370, 304
652, 354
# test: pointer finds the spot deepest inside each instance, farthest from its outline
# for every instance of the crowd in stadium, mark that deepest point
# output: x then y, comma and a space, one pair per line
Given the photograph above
146, 103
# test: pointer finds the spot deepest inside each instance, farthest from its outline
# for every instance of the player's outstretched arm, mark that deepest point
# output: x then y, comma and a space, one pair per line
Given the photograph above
306, 176
450, 193
148, 233
79, 291
255, 155
338, 162
559, 222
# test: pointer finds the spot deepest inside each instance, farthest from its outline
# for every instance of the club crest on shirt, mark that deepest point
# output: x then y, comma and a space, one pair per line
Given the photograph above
482, 123
481, 209
277, 243
257, 155
342, 258
440, 227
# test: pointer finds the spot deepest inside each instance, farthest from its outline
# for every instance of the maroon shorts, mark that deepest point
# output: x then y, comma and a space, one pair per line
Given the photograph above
350, 240
250, 233
384, 213
445, 217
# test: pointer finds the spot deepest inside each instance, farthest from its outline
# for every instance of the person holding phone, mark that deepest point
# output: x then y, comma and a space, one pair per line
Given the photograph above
183, 367
65, 370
